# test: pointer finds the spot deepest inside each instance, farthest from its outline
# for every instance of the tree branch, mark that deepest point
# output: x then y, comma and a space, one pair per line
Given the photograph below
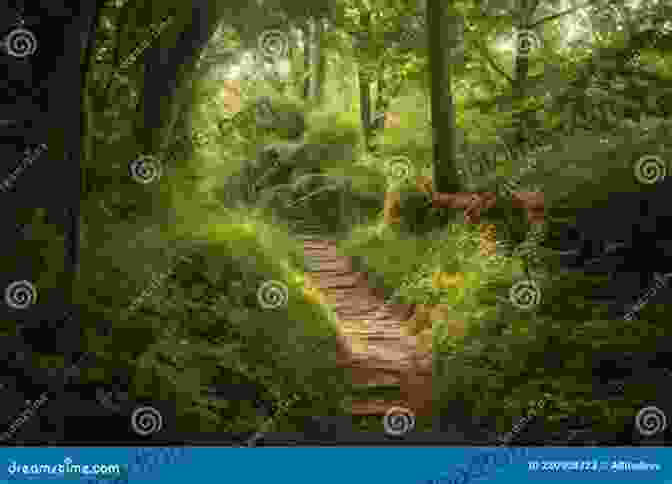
560, 14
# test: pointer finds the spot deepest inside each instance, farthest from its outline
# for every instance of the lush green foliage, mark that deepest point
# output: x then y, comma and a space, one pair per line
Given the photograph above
591, 111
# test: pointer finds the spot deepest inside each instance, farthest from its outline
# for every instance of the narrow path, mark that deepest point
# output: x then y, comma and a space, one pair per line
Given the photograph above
377, 349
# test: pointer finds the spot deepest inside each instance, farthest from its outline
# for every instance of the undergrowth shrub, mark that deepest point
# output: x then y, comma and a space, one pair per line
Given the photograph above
205, 322
339, 132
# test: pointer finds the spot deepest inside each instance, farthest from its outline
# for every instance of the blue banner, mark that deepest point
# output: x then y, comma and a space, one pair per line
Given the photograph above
336, 465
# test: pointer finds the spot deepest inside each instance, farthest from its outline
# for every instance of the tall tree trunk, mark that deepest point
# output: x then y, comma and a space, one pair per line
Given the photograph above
307, 41
65, 76
317, 61
364, 80
446, 178
365, 105
522, 68
382, 100
86, 111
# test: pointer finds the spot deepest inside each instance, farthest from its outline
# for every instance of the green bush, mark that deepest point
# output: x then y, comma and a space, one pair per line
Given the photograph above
339, 133
412, 138
205, 320
282, 116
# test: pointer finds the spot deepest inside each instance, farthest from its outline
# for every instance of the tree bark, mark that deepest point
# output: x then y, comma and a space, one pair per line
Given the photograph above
317, 63
63, 126
167, 70
365, 105
382, 100
446, 178
522, 68
307, 40
86, 110
364, 80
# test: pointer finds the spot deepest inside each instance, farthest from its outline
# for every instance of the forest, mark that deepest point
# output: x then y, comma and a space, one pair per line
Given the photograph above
338, 221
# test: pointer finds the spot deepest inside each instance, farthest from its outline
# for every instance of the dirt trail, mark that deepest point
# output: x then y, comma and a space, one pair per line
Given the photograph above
375, 345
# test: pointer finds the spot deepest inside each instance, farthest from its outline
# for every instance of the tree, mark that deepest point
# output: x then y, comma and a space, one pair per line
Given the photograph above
317, 61
446, 178
362, 43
